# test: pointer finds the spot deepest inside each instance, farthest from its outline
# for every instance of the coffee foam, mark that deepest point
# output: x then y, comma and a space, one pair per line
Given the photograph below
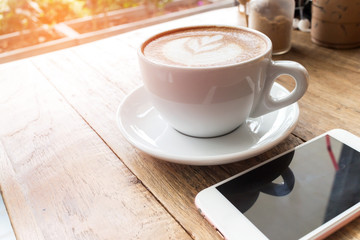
204, 46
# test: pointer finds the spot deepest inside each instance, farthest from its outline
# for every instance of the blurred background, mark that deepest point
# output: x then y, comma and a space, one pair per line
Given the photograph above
25, 23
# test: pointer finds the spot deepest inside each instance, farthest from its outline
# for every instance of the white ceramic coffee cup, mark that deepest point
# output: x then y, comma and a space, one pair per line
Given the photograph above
215, 100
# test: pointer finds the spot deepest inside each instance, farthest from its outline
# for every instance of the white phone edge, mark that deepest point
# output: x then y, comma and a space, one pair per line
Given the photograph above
225, 217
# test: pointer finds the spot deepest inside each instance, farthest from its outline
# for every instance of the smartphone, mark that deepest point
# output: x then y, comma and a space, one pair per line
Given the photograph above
305, 193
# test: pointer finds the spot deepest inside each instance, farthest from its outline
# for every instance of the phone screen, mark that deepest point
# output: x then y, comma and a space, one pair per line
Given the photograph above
299, 191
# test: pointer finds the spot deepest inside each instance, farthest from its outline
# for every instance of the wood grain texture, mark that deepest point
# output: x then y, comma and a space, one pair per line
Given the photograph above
64, 122
71, 185
17, 207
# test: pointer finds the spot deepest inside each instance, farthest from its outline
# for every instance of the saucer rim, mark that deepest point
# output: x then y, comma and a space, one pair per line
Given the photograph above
206, 160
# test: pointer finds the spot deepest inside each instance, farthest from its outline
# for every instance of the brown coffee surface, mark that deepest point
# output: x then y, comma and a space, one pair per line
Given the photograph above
204, 46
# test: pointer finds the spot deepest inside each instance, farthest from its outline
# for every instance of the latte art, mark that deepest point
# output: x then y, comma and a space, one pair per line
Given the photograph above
208, 50
203, 44
201, 47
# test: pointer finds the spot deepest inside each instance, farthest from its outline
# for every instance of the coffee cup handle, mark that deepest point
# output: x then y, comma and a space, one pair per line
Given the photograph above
276, 68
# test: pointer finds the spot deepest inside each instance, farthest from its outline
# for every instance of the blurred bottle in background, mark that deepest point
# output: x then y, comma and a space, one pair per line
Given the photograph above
274, 18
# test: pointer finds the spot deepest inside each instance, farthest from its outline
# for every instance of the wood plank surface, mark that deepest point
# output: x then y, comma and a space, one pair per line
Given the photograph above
17, 207
59, 179
64, 122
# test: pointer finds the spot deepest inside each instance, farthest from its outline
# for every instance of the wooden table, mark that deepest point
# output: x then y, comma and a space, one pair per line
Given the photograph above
66, 172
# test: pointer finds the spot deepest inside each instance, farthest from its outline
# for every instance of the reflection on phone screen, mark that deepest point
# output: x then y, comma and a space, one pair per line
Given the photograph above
299, 191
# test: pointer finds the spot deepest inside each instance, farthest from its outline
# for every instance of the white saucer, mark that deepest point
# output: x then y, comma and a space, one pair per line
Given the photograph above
144, 128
